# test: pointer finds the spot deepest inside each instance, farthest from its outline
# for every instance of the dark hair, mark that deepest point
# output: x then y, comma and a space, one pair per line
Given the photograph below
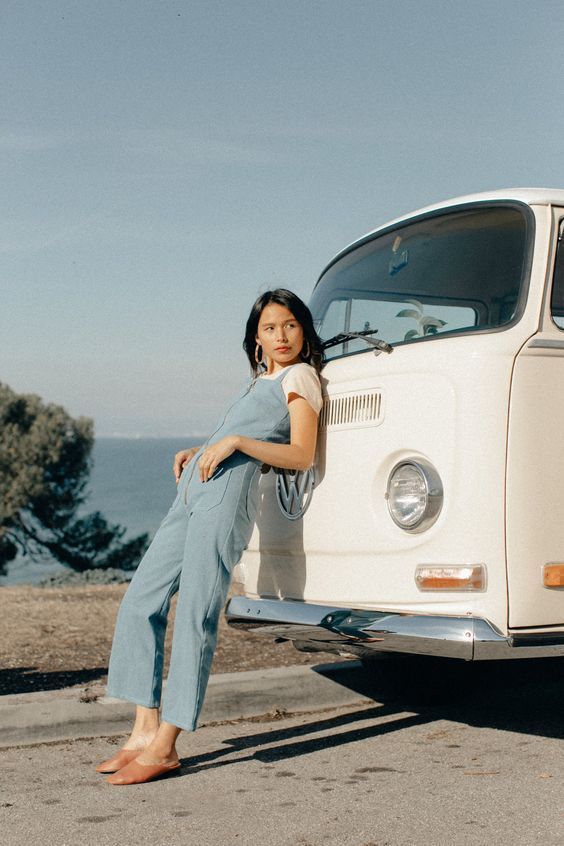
311, 353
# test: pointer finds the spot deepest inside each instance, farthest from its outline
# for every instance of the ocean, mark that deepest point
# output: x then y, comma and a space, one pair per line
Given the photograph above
131, 483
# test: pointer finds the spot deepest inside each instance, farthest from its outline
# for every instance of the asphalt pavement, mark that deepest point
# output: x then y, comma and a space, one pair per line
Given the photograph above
418, 752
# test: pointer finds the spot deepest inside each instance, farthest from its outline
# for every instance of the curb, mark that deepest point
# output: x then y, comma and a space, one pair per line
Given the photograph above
30, 718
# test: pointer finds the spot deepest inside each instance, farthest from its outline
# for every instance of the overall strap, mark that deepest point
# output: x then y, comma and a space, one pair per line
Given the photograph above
283, 371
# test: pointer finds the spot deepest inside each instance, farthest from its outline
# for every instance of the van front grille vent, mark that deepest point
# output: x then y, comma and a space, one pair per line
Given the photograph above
345, 411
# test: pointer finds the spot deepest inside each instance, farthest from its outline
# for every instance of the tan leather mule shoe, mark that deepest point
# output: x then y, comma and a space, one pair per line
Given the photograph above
136, 772
119, 760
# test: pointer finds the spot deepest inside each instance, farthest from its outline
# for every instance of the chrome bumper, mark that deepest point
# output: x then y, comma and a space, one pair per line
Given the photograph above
320, 628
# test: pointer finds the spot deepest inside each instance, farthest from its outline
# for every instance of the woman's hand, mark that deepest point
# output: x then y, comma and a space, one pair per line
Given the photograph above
214, 454
181, 459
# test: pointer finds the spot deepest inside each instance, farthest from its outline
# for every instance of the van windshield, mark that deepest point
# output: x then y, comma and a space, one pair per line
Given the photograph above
447, 273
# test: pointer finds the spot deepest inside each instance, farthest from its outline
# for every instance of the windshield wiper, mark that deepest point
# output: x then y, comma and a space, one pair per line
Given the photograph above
381, 346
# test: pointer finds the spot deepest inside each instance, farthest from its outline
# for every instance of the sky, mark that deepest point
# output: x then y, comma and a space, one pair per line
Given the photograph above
163, 163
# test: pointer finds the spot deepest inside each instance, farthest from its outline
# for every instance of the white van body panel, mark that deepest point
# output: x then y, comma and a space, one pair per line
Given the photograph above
535, 473
445, 400
486, 409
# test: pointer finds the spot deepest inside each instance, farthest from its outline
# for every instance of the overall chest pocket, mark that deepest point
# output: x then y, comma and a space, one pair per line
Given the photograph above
206, 495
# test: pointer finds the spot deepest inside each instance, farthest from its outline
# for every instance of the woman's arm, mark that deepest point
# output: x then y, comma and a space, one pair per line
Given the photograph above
297, 455
300, 452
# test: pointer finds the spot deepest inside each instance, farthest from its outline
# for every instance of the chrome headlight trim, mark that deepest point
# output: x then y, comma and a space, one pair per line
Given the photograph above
433, 493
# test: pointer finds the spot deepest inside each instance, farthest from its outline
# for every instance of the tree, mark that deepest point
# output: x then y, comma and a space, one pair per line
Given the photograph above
45, 463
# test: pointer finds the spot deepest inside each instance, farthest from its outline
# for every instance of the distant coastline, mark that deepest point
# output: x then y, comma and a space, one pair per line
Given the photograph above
131, 484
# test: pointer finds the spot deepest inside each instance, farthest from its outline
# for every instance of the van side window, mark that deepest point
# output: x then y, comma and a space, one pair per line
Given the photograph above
557, 301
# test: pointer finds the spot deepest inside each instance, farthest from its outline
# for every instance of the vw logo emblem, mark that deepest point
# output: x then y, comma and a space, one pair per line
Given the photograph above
293, 491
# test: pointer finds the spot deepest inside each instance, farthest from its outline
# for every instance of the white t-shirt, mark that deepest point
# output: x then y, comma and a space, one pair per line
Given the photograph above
301, 379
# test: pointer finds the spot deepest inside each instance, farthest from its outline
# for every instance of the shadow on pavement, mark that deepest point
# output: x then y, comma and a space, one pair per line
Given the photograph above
30, 680
523, 696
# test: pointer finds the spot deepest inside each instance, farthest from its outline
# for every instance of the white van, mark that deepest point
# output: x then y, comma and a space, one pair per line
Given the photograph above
433, 519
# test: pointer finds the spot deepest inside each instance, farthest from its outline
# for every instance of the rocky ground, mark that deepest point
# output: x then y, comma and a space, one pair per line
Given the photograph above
55, 637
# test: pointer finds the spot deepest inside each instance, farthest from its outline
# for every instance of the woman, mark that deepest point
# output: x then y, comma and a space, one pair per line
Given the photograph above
273, 421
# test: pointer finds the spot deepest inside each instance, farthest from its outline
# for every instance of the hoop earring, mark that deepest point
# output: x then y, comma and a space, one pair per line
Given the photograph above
257, 359
308, 353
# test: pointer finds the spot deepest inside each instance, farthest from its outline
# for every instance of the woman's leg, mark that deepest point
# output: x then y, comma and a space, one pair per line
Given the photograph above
204, 582
144, 729
203, 588
214, 542
136, 658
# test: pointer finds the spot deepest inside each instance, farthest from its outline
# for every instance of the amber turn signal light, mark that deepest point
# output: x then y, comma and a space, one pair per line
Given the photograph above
553, 575
465, 577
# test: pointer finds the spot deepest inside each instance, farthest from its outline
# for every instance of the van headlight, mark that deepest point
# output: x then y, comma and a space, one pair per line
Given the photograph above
414, 494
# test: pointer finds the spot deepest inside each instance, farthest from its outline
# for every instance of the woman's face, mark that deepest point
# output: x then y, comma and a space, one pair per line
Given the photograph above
280, 336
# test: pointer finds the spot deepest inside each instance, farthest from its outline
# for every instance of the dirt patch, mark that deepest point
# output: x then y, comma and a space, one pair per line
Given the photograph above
56, 637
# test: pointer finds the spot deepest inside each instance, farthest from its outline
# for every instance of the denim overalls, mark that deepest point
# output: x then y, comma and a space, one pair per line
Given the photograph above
194, 551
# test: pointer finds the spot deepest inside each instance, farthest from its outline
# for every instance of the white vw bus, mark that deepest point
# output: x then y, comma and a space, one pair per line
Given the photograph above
433, 519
